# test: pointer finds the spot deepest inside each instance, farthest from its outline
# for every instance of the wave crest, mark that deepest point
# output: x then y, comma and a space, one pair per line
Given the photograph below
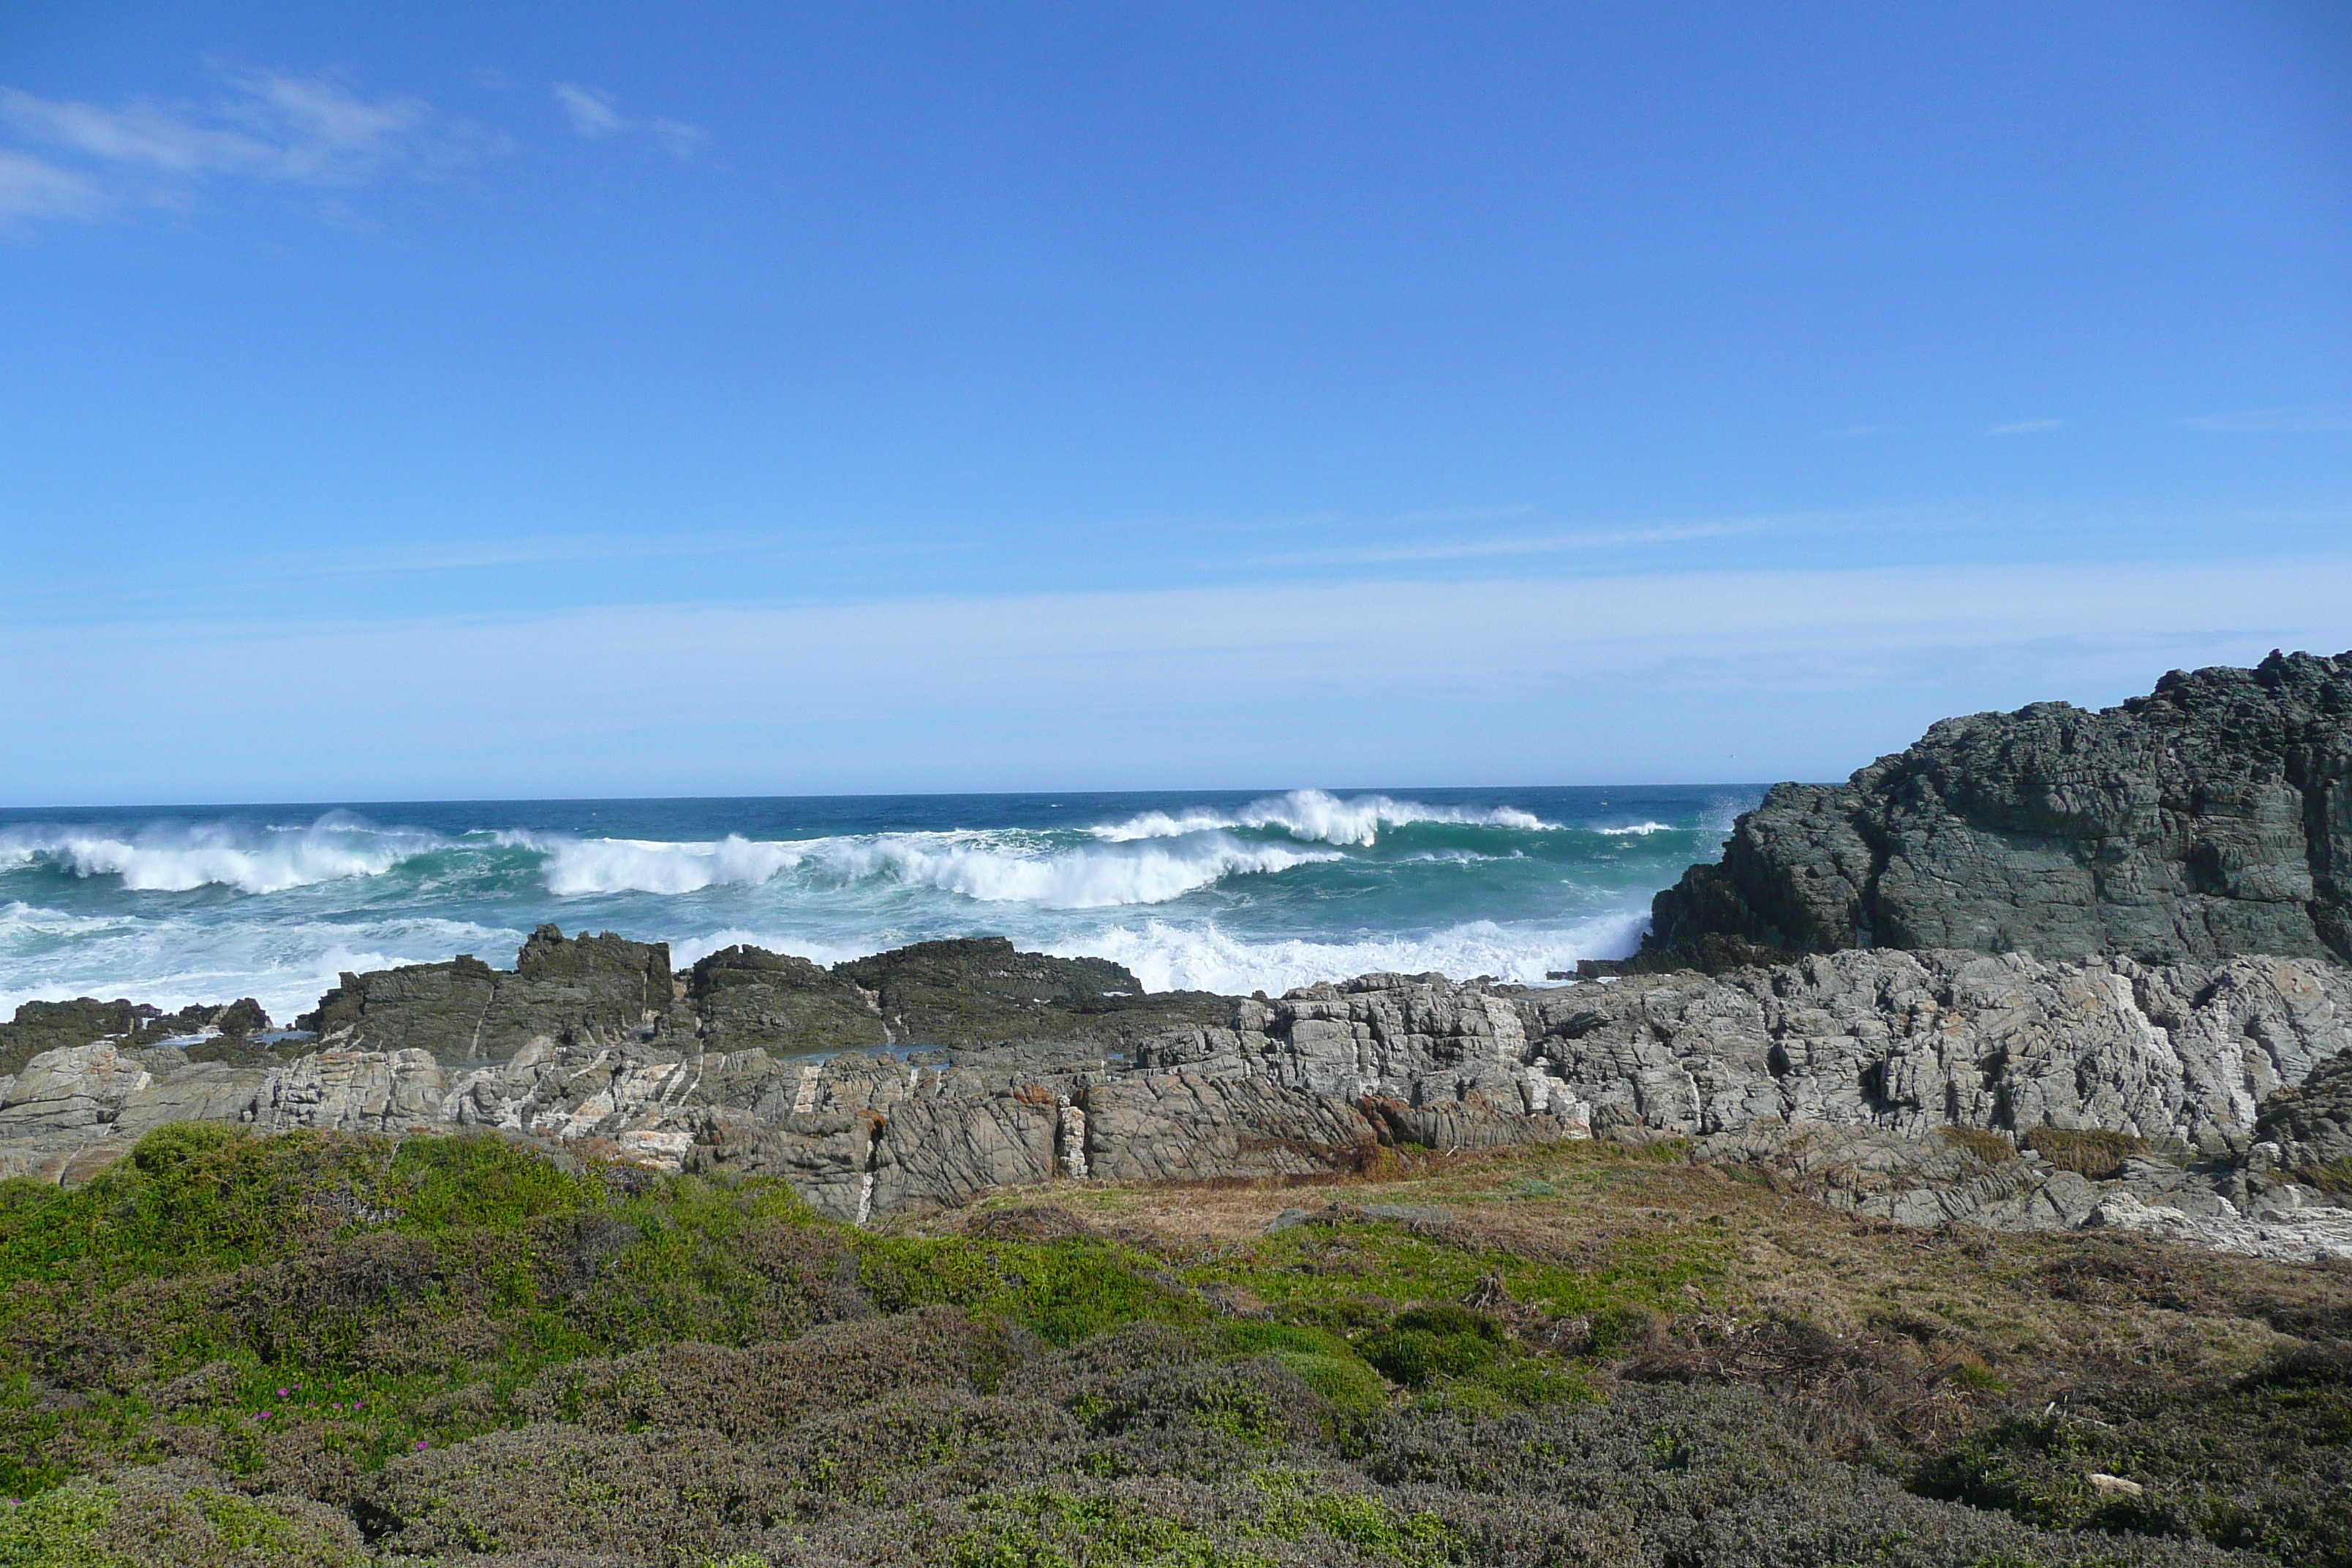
576, 867
178, 857
1081, 878
1318, 817
1167, 957
988, 867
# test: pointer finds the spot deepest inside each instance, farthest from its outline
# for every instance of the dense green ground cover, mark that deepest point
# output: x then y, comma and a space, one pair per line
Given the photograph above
314, 1349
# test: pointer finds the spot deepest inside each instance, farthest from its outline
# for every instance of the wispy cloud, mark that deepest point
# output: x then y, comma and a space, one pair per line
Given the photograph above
32, 189
1634, 537
594, 113
1465, 514
272, 127
2024, 428
469, 556
2297, 419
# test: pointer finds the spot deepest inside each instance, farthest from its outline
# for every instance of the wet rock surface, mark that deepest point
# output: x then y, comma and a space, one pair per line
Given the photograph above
2211, 818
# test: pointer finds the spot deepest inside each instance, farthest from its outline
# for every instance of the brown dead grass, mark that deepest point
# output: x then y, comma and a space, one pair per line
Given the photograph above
2040, 1313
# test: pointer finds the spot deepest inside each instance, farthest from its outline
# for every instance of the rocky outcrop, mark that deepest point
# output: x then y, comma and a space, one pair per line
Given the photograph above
977, 992
2232, 1079
747, 996
2208, 819
598, 989
41, 1027
2308, 1129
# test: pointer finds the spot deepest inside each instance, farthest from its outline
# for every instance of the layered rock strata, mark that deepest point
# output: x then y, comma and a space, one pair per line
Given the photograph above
1835, 1071
2208, 819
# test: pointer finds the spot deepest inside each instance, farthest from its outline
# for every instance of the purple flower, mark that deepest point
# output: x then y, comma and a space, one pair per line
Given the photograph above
420, 1442
263, 1416
281, 1393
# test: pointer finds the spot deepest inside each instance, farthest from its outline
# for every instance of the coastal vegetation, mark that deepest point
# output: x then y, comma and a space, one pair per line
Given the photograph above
310, 1349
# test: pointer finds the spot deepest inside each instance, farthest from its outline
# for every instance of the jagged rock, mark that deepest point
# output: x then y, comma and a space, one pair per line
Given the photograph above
2310, 1125
979, 991
76, 1090
1832, 1073
745, 996
2208, 819
600, 989
1415, 1039
1913, 1041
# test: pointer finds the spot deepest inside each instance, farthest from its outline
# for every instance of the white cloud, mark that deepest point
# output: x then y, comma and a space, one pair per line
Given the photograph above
1465, 514
2024, 428
31, 188
272, 127
1640, 536
593, 114
2298, 419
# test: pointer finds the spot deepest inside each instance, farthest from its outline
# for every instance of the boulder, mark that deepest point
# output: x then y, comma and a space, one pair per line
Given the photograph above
2208, 819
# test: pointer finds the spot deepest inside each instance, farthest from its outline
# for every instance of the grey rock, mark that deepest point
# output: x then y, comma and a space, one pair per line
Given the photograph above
2210, 819
1832, 1074
592, 990
979, 991
2309, 1127
744, 996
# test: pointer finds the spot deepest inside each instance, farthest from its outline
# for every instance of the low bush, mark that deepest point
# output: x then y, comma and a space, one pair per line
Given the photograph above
2097, 1154
1990, 1147
310, 1351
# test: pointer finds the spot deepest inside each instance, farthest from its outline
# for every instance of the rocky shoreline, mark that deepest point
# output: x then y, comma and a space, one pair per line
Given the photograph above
1912, 1086
1762, 1248
2046, 969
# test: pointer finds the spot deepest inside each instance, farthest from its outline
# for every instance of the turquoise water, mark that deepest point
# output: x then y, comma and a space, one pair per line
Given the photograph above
1231, 892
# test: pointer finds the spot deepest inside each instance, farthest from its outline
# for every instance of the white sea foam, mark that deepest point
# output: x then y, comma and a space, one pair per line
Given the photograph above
685, 954
578, 867
1318, 818
287, 966
1169, 957
1638, 830
985, 869
175, 856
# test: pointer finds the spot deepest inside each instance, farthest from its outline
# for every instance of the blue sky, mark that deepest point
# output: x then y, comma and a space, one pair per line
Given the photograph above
494, 400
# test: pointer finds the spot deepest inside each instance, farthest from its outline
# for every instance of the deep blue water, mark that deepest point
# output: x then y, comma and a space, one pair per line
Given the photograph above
1230, 892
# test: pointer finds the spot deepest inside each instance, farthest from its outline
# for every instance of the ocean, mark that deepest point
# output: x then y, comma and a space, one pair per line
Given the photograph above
1222, 892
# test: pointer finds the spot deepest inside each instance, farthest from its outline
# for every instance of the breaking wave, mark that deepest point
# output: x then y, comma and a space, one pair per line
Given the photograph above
1168, 957
1085, 878
1319, 817
1638, 830
985, 868
177, 857
576, 867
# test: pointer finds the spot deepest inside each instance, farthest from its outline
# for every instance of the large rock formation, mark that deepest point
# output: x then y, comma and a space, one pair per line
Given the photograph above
1836, 1070
585, 988
2208, 819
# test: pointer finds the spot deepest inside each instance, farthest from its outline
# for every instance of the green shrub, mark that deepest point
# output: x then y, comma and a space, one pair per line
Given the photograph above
60, 1529
1062, 1292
